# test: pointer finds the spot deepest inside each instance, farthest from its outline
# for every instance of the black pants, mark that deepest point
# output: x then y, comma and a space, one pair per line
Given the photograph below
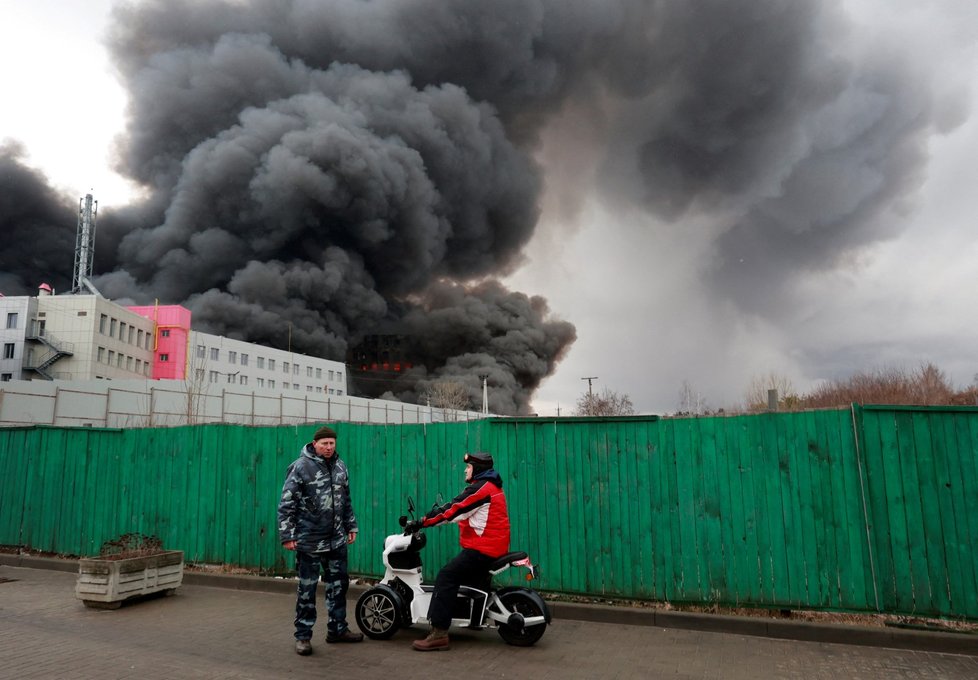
468, 568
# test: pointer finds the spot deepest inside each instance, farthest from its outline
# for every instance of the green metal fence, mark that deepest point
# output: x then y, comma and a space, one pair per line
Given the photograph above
863, 509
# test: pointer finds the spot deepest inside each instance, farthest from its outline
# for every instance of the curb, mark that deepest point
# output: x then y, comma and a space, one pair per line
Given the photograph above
894, 638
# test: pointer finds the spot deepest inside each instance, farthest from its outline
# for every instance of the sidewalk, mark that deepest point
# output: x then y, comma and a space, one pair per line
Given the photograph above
240, 627
893, 638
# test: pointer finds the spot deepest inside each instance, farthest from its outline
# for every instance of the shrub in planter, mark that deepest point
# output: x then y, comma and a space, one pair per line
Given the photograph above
131, 566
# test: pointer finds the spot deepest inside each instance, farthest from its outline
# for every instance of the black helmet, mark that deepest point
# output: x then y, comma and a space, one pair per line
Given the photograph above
480, 461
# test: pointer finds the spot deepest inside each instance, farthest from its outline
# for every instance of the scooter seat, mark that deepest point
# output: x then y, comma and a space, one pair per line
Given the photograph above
506, 559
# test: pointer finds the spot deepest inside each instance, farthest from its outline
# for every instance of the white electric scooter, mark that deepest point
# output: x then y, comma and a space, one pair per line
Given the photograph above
400, 599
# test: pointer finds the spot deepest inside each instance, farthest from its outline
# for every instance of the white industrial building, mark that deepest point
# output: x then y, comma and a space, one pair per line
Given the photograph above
216, 359
15, 311
87, 337
74, 337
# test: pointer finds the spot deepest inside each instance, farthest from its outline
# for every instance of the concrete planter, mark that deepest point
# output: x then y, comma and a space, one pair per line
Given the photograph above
107, 583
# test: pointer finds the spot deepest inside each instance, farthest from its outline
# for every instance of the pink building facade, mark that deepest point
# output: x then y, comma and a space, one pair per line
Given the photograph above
171, 340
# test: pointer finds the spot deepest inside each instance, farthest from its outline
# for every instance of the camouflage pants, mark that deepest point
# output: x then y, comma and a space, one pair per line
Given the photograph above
336, 581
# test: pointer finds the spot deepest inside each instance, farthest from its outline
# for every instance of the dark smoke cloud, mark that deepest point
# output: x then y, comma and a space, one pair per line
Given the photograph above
37, 228
322, 171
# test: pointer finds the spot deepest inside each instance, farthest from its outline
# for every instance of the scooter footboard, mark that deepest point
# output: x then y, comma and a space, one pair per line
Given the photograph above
498, 612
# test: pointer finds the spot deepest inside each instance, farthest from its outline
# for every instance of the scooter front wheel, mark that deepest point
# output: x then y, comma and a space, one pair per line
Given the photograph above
521, 603
379, 613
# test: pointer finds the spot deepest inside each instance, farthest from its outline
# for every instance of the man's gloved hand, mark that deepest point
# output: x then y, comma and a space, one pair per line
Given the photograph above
413, 526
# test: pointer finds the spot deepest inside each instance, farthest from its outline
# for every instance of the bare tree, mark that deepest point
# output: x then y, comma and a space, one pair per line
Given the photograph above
194, 387
691, 402
756, 397
447, 394
607, 403
928, 385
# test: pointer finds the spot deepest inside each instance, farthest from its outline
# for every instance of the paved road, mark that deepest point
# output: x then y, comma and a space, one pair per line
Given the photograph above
215, 633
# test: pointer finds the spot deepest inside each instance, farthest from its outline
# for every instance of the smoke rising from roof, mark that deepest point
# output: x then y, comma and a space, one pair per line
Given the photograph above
359, 167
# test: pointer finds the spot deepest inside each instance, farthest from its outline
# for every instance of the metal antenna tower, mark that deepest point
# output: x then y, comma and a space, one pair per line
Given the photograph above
84, 244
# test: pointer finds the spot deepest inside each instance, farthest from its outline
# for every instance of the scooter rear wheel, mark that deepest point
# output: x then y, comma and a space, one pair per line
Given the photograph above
523, 604
378, 613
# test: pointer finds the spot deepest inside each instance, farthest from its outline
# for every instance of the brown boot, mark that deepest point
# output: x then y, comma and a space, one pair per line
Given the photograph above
437, 639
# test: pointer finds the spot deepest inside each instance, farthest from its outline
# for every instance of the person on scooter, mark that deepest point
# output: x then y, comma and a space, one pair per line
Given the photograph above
316, 520
480, 511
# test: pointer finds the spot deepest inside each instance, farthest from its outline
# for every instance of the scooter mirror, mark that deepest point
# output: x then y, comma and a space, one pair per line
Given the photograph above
402, 520
410, 505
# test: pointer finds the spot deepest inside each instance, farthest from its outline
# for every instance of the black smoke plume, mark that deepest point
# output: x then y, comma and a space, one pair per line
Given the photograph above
325, 171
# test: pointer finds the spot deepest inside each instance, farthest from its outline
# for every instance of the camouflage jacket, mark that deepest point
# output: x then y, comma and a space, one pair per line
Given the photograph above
315, 509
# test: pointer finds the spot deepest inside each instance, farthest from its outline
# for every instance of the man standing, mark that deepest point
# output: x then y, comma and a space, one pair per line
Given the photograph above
480, 511
316, 520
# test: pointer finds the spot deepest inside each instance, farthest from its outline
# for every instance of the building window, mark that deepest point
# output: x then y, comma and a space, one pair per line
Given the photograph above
260, 362
146, 341
111, 357
201, 351
308, 388
244, 380
215, 354
139, 365
112, 325
199, 375
132, 332
212, 376
118, 360
295, 369
339, 376
165, 333
271, 384
339, 393
295, 386
100, 355
285, 367
79, 313
244, 359
330, 375
128, 363
271, 364
139, 339
146, 365
8, 350
232, 357
331, 391
231, 378
319, 389
164, 357
12, 320
261, 382
6, 377
308, 371
122, 331
319, 373
102, 321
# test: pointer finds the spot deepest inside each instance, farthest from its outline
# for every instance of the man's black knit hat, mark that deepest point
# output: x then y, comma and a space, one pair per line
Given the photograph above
324, 433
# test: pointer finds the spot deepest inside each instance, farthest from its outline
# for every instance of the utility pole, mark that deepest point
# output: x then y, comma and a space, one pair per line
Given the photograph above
589, 395
485, 394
